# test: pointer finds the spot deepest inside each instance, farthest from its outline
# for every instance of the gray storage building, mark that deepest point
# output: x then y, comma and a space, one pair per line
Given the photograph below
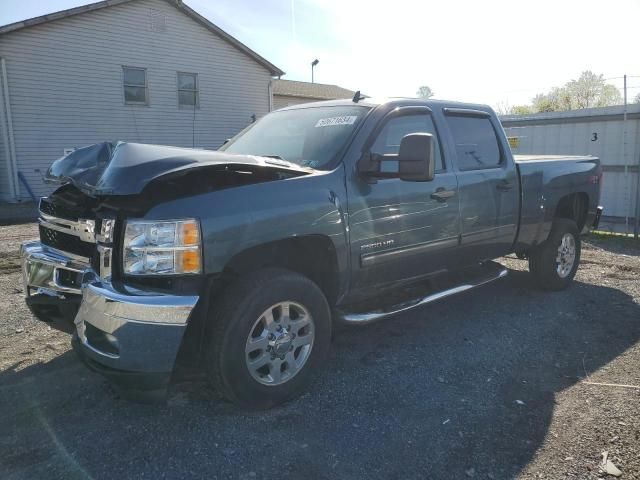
151, 71
292, 92
593, 131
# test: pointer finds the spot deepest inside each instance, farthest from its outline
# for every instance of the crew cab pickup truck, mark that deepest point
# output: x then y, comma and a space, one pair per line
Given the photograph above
341, 211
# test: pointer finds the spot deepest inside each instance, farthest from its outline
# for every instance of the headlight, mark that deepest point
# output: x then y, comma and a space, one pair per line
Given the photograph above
162, 248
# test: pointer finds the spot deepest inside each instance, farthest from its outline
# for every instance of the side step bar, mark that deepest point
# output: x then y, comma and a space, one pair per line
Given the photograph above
495, 271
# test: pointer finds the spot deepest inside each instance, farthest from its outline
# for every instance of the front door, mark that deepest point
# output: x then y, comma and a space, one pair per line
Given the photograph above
400, 229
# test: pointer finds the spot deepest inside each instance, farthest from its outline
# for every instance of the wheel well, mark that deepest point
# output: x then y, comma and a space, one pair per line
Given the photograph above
313, 256
573, 207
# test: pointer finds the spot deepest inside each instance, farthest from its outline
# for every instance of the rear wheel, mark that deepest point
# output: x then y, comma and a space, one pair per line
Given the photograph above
554, 263
272, 330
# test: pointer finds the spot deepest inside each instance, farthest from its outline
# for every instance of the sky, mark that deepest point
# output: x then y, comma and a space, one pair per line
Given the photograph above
497, 52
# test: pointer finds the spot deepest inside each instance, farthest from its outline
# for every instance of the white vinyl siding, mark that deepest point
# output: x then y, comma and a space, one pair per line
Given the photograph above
66, 81
5, 169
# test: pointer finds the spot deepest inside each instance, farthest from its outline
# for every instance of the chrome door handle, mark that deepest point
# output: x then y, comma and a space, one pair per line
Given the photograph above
442, 195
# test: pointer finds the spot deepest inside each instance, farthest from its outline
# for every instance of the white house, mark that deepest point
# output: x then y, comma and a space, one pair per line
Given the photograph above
151, 71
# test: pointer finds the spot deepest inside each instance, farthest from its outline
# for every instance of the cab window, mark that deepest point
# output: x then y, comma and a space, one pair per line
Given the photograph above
388, 140
476, 142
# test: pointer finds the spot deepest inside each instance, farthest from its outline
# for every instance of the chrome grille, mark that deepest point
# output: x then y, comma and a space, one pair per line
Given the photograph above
59, 211
66, 242
62, 229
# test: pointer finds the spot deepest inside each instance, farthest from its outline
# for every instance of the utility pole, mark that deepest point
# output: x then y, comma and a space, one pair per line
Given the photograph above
636, 223
627, 186
313, 64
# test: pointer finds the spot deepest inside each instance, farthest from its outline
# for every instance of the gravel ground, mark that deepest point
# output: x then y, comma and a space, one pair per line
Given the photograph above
502, 382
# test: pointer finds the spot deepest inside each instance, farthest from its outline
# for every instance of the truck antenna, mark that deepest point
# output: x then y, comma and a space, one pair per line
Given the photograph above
359, 96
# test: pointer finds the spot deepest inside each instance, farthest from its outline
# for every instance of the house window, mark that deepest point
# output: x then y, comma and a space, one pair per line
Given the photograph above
135, 85
188, 90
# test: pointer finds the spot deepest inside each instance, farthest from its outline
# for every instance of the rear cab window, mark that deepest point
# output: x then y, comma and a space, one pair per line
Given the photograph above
476, 142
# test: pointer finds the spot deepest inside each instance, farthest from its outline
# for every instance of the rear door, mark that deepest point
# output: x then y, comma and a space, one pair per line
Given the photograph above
400, 229
487, 183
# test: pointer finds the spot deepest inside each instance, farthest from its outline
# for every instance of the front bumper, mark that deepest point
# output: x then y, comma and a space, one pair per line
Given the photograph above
118, 327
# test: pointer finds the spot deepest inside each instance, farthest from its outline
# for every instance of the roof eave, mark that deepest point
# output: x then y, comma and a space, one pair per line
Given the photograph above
31, 22
275, 71
12, 27
309, 96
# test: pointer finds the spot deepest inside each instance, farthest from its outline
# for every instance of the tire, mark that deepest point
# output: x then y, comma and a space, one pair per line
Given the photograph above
243, 311
550, 268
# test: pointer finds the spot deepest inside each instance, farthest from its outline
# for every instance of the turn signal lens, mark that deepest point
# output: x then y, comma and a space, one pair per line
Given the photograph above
190, 261
189, 233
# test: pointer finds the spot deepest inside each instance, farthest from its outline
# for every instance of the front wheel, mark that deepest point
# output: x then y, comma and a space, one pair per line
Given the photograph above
555, 262
272, 331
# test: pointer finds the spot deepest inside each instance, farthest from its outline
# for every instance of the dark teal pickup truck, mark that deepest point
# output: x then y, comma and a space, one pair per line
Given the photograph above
242, 259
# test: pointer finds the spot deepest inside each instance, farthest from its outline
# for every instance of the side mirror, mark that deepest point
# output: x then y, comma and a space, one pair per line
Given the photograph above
416, 157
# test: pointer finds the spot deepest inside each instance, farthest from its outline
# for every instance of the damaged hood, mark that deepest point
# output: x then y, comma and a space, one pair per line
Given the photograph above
126, 168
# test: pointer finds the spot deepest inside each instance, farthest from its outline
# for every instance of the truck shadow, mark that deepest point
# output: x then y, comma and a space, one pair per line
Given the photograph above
466, 383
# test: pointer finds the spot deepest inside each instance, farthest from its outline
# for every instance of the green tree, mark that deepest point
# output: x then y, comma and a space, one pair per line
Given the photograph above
587, 91
556, 100
590, 90
521, 110
504, 108
424, 92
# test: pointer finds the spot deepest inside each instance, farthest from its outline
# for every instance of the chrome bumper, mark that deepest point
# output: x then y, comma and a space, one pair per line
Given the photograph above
124, 329
50, 272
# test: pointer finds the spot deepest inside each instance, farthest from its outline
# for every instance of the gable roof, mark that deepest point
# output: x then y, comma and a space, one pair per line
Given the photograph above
12, 27
320, 91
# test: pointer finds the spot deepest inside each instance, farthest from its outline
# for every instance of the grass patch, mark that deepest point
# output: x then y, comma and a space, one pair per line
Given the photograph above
600, 237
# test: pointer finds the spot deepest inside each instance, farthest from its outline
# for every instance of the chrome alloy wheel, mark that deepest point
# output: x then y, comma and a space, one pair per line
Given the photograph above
566, 255
279, 343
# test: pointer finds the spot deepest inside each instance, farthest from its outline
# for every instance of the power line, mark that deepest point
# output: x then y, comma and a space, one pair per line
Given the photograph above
622, 77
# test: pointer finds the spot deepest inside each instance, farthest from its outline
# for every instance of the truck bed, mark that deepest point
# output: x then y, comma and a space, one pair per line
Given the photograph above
544, 180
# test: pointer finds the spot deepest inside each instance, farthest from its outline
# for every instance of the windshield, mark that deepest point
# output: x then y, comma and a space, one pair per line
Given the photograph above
310, 137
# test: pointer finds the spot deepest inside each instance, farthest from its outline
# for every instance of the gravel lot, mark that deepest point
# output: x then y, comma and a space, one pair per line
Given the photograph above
490, 384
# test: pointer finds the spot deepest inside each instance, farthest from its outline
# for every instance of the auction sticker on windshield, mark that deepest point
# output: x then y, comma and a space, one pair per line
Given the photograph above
331, 121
